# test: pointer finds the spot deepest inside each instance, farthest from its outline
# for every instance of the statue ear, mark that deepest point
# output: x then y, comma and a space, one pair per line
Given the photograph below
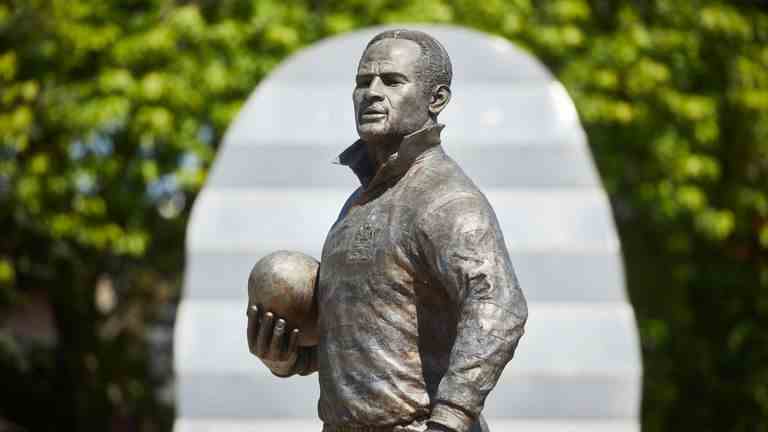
440, 98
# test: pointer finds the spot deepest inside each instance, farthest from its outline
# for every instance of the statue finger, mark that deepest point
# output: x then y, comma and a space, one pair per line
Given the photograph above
253, 327
277, 338
293, 342
292, 346
265, 332
252, 311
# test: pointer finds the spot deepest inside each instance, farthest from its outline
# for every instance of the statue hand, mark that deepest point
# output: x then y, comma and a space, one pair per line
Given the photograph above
269, 340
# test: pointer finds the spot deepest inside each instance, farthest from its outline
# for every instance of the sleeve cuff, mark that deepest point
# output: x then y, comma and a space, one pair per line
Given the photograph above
453, 418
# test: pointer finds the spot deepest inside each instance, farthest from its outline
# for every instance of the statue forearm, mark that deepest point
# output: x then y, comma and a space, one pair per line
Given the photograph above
486, 341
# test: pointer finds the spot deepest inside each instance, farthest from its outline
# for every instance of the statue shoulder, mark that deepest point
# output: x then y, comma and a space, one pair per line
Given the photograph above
444, 182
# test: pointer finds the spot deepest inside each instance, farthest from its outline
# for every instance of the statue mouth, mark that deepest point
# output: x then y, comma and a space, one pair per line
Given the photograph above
373, 114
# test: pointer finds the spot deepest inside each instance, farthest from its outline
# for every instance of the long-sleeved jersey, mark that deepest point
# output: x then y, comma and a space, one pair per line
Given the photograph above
419, 306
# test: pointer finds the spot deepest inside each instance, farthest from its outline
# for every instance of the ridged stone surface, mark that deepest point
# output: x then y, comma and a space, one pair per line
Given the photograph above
516, 133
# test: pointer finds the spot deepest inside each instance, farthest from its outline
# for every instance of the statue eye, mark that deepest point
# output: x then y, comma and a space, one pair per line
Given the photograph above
391, 80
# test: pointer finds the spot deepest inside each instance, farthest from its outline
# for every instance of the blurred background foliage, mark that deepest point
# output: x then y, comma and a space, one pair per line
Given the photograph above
110, 113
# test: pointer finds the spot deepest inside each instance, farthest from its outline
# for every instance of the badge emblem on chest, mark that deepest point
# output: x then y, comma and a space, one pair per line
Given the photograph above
362, 244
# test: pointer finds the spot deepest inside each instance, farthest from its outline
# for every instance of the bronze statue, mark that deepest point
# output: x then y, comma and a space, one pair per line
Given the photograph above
419, 309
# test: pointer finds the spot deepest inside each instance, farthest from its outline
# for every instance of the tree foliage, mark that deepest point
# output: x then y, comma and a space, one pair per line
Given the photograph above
110, 112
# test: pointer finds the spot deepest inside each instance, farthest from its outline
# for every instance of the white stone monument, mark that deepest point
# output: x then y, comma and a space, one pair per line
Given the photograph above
514, 130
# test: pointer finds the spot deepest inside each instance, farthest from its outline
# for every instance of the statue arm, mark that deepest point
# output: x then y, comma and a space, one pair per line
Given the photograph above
464, 250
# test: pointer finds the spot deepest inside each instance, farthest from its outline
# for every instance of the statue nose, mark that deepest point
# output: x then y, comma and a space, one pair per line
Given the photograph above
374, 89
373, 96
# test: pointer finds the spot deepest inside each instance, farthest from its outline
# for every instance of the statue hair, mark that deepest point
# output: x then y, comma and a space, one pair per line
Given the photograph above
435, 67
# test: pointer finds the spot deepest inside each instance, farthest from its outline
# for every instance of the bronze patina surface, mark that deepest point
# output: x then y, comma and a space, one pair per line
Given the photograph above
419, 307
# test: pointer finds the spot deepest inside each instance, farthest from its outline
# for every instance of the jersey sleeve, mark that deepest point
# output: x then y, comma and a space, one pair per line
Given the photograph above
464, 249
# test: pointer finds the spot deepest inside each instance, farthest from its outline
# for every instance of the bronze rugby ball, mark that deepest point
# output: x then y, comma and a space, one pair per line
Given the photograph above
284, 283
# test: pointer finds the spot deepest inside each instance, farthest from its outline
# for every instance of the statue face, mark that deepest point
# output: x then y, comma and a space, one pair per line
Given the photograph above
389, 100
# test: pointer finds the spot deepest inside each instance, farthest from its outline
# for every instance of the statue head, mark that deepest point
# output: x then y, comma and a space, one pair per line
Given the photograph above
402, 84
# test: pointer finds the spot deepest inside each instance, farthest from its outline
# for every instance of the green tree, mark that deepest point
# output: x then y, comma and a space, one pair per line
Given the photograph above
110, 112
